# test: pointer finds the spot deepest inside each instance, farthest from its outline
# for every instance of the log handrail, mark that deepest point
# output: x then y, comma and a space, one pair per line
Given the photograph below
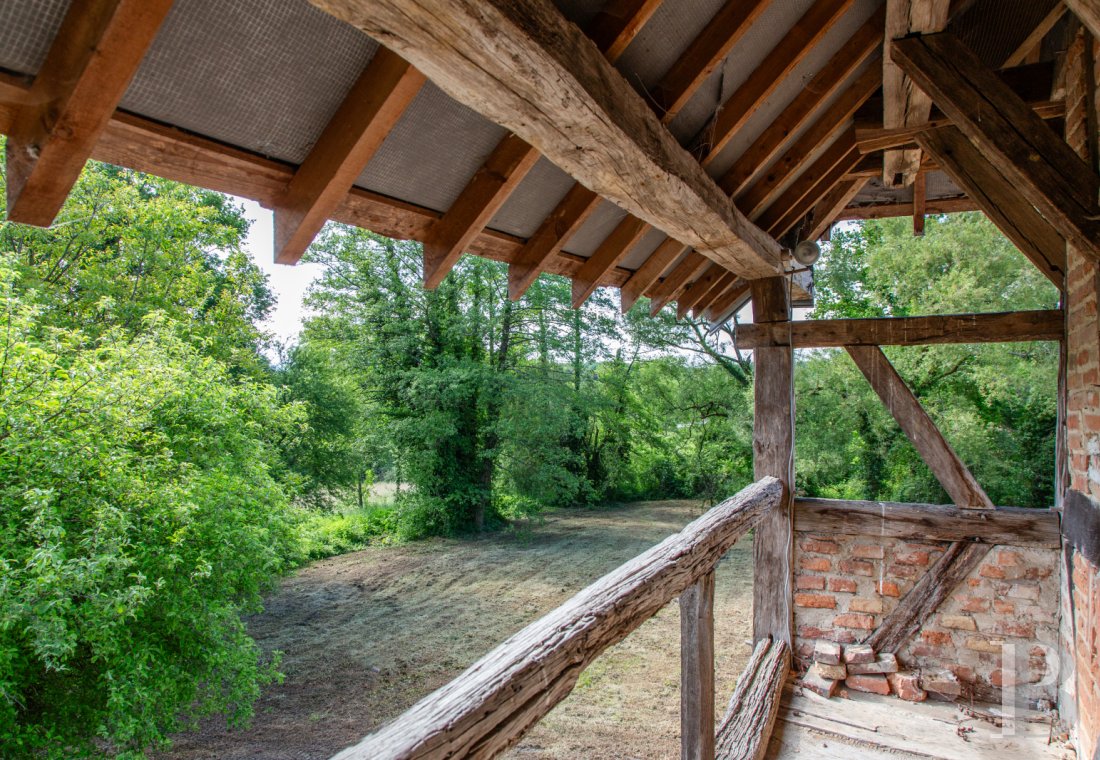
494, 702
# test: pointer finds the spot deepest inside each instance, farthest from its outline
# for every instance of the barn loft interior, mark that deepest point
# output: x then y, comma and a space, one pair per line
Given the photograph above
691, 152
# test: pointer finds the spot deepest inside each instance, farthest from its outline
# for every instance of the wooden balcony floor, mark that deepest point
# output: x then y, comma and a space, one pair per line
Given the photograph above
869, 727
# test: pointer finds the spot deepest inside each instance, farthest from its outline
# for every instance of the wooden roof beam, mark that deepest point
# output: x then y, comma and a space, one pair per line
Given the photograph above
853, 54
893, 210
716, 291
798, 157
729, 303
520, 64
762, 82
92, 60
618, 23
611, 251
1088, 12
704, 55
994, 194
648, 273
478, 202
832, 204
1038, 164
669, 288
1034, 39
699, 288
904, 103
810, 188
354, 134
554, 232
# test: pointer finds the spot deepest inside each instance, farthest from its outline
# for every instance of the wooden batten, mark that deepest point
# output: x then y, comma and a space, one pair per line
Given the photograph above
649, 272
904, 103
554, 232
919, 428
783, 58
696, 290
524, 66
893, 210
611, 251
669, 288
697, 670
827, 209
1008, 526
618, 23
1004, 327
53, 132
798, 200
354, 134
1035, 37
995, 194
1038, 163
720, 287
728, 303
853, 54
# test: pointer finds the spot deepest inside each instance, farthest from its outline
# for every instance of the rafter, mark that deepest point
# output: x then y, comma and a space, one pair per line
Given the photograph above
987, 186
837, 152
618, 23
892, 210
904, 103
669, 288
611, 251
854, 53
554, 232
832, 204
648, 273
370, 110
1038, 163
724, 283
795, 160
697, 289
92, 60
479, 201
783, 217
705, 54
729, 302
1088, 11
1031, 43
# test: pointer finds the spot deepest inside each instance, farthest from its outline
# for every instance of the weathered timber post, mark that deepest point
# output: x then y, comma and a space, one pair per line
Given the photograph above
773, 454
697, 670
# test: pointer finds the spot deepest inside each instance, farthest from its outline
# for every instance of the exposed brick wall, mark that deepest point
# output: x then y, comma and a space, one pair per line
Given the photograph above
1083, 413
845, 585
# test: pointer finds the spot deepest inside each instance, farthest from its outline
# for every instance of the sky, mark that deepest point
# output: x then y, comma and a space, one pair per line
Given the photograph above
288, 283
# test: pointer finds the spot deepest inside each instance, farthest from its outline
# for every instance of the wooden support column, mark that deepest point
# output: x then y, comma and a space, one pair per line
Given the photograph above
920, 189
697, 670
90, 64
773, 454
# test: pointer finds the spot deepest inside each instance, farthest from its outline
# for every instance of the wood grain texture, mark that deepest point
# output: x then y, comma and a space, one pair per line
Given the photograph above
618, 23
773, 455
957, 562
920, 202
919, 428
1010, 526
716, 291
478, 202
491, 705
1038, 163
791, 50
1004, 327
522, 65
798, 113
875, 139
1088, 12
696, 290
669, 288
90, 63
999, 199
354, 134
905, 104
697, 670
649, 272
754, 706
893, 210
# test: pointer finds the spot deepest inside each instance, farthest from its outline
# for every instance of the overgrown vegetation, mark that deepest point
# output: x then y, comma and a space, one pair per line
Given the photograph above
158, 473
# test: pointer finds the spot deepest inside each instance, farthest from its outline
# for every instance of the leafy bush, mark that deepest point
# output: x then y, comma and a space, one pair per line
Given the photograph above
328, 534
138, 519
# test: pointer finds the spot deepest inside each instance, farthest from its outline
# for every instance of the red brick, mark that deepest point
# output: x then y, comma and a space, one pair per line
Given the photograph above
909, 572
912, 558
842, 585
1009, 558
855, 620
857, 567
816, 564
817, 546
816, 601
1001, 607
958, 622
889, 588
861, 604
872, 684
814, 632
974, 604
810, 582
1015, 628
907, 686
939, 638
868, 551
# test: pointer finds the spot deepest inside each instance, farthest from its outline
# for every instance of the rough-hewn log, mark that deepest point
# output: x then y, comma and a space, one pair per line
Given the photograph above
773, 455
489, 706
919, 428
648, 273
937, 584
91, 62
754, 706
905, 104
1006, 327
697, 670
354, 134
1088, 11
522, 65
1006, 132
892, 210
1013, 215
1011, 526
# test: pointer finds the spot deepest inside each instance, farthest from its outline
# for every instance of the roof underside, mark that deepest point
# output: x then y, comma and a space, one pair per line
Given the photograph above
267, 76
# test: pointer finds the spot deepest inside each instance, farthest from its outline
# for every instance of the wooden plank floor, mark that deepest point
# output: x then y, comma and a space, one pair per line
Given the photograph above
869, 727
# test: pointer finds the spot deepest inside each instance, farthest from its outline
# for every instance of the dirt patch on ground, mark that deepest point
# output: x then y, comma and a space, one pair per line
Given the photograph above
366, 635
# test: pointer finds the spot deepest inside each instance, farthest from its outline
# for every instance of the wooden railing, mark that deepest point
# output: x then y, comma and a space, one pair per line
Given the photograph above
498, 699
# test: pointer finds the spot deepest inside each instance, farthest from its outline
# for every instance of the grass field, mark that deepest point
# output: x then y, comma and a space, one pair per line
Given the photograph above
366, 634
